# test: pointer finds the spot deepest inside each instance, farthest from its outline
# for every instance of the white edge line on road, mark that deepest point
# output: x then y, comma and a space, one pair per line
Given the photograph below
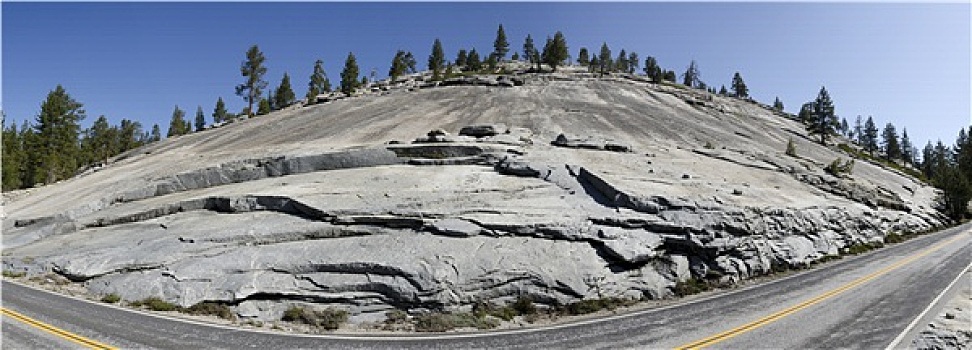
442, 336
894, 344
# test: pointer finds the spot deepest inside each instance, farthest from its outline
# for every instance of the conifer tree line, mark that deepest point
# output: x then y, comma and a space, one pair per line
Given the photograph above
948, 168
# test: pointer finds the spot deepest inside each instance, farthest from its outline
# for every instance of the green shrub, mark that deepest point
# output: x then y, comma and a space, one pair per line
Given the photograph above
210, 308
329, 318
839, 167
593, 305
13, 274
859, 248
442, 322
690, 286
111, 298
524, 306
893, 237
708, 145
155, 304
396, 316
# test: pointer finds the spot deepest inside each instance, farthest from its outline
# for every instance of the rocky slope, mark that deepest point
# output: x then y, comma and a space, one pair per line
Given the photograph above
561, 187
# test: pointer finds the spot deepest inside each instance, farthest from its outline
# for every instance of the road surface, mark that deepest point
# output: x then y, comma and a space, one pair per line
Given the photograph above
862, 302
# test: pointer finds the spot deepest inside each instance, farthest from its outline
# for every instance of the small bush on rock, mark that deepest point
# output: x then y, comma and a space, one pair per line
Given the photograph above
111, 298
839, 167
211, 308
791, 148
690, 286
329, 318
155, 304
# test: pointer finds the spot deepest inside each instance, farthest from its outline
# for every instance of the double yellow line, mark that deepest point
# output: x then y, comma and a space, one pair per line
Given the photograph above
88, 343
718, 338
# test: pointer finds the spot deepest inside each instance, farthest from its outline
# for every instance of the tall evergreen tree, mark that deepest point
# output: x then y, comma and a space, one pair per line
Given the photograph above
437, 60
472, 61
516, 57
177, 124
318, 83
349, 76
219, 113
632, 62
402, 63
669, 76
858, 130
691, 77
738, 86
777, 104
556, 51
583, 57
530, 50
621, 63
907, 149
869, 139
130, 135
253, 70
156, 133
285, 94
12, 159
265, 107
823, 120
500, 46
889, 142
461, 57
56, 131
652, 70
200, 119
604, 59
844, 127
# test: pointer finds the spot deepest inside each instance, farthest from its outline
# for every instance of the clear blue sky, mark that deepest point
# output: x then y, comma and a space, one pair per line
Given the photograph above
904, 63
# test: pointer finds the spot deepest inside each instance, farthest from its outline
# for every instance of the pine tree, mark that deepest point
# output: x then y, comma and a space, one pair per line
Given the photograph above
844, 128
31, 152
530, 50
500, 45
632, 62
604, 59
349, 76
402, 63
823, 120
907, 149
692, 78
12, 159
555, 52
621, 63
869, 140
806, 113
461, 57
100, 141
652, 70
859, 131
777, 104
491, 63
889, 142
200, 119
253, 69
739, 88
669, 76
156, 133
264, 107
56, 130
583, 57
130, 135
177, 124
284, 96
219, 113
594, 65
516, 56
318, 83
472, 61
436, 60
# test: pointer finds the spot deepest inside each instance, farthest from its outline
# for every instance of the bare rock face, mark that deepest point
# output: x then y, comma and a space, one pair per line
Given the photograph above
339, 216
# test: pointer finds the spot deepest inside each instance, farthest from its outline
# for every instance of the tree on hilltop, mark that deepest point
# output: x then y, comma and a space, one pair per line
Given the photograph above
284, 96
500, 46
692, 77
621, 63
632, 62
437, 60
219, 112
177, 123
777, 104
583, 57
555, 52
889, 141
461, 57
253, 70
349, 76
530, 51
56, 130
823, 121
604, 59
869, 139
907, 149
318, 83
739, 88
652, 70
200, 119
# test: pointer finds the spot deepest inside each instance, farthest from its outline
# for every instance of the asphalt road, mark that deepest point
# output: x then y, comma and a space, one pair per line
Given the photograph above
861, 302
